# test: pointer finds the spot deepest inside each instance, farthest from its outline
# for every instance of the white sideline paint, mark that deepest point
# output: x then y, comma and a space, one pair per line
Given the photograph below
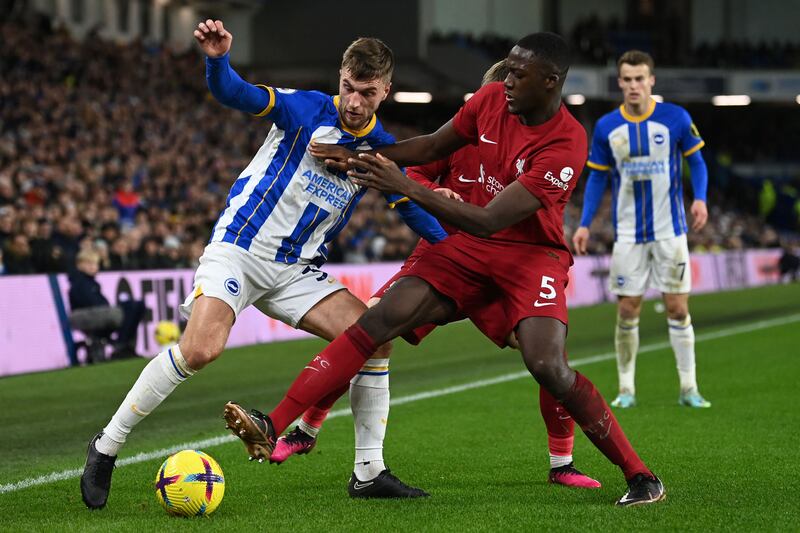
215, 441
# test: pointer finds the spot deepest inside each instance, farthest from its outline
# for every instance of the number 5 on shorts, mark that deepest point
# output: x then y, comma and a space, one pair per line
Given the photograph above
548, 292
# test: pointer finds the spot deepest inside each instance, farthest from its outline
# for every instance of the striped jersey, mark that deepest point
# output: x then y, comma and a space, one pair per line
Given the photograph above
644, 156
286, 204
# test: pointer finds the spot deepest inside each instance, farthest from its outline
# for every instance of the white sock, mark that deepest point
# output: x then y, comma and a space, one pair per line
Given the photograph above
557, 461
159, 378
681, 336
308, 429
626, 339
369, 401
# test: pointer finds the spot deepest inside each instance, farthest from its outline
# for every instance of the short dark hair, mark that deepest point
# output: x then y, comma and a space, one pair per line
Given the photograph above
550, 47
636, 57
368, 58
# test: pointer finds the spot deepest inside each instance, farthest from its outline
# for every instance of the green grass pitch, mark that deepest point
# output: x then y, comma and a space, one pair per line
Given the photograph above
480, 451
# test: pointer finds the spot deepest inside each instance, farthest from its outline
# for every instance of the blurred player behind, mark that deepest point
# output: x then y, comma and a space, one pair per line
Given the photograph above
641, 145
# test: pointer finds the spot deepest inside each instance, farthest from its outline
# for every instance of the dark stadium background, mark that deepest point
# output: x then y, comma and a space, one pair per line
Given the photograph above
109, 139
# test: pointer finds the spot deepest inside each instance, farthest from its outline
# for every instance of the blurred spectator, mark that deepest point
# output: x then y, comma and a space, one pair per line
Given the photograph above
789, 264
85, 293
18, 256
127, 202
120, 257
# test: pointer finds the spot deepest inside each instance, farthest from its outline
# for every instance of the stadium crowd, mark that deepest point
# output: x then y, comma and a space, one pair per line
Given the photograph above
598, 42
119, 148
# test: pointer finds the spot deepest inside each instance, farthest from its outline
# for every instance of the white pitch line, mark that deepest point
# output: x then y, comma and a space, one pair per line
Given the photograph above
216, 441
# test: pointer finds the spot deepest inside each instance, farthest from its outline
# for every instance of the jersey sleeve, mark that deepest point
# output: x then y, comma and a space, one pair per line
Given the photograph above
553, 175
600, 154
428, 175
230, 89
290, 108
689, 139
466, 120
423, 223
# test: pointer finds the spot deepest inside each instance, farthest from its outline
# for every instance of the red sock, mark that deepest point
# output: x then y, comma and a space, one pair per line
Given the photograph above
560, 425
593, 414
325, 374
317, 413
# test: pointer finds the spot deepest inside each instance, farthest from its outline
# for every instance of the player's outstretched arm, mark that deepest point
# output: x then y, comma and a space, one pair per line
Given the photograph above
415, 151
512, 205
224, 83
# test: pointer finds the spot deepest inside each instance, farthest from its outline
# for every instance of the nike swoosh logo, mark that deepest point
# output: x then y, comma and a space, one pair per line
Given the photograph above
484, 139
625, 499
463, 180
358, 486
537, 303
564, 417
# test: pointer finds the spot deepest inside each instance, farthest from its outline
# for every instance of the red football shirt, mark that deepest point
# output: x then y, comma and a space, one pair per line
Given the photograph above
459, 172
547, 159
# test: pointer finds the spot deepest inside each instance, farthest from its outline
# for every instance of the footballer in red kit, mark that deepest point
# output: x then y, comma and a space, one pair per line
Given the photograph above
510, 245
526, 263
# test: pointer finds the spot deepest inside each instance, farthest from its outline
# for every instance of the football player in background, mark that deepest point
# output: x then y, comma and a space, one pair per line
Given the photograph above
269, 242
641, 145
455, 177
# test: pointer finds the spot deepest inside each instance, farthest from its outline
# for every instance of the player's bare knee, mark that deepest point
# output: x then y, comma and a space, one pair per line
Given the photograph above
548, 367
630, 308
679, 314
677, 309
198, 355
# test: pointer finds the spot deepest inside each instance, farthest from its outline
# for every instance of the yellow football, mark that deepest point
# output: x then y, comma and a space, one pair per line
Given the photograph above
190, 483
167, 333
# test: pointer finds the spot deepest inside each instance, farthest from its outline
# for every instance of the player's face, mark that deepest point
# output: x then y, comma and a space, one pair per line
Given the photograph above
636, 82
528, 81
358, 99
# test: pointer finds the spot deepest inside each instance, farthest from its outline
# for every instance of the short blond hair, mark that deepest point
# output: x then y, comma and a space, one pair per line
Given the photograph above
496, 72
87, 255
368, 58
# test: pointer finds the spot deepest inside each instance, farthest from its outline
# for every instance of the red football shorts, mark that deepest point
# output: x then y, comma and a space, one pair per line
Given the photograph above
421, 248
490, 319
495, 283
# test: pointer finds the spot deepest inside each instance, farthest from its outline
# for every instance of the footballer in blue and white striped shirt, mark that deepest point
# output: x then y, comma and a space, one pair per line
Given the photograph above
641, 147
267, 248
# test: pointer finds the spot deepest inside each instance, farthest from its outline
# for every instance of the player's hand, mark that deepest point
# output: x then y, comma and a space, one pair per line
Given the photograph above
378, 172
699, 215
580, 240
449, 193
213, 38
335, 156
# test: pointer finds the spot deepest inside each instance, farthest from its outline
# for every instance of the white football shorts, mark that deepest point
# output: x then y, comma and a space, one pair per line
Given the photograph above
663, 265
239, 278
